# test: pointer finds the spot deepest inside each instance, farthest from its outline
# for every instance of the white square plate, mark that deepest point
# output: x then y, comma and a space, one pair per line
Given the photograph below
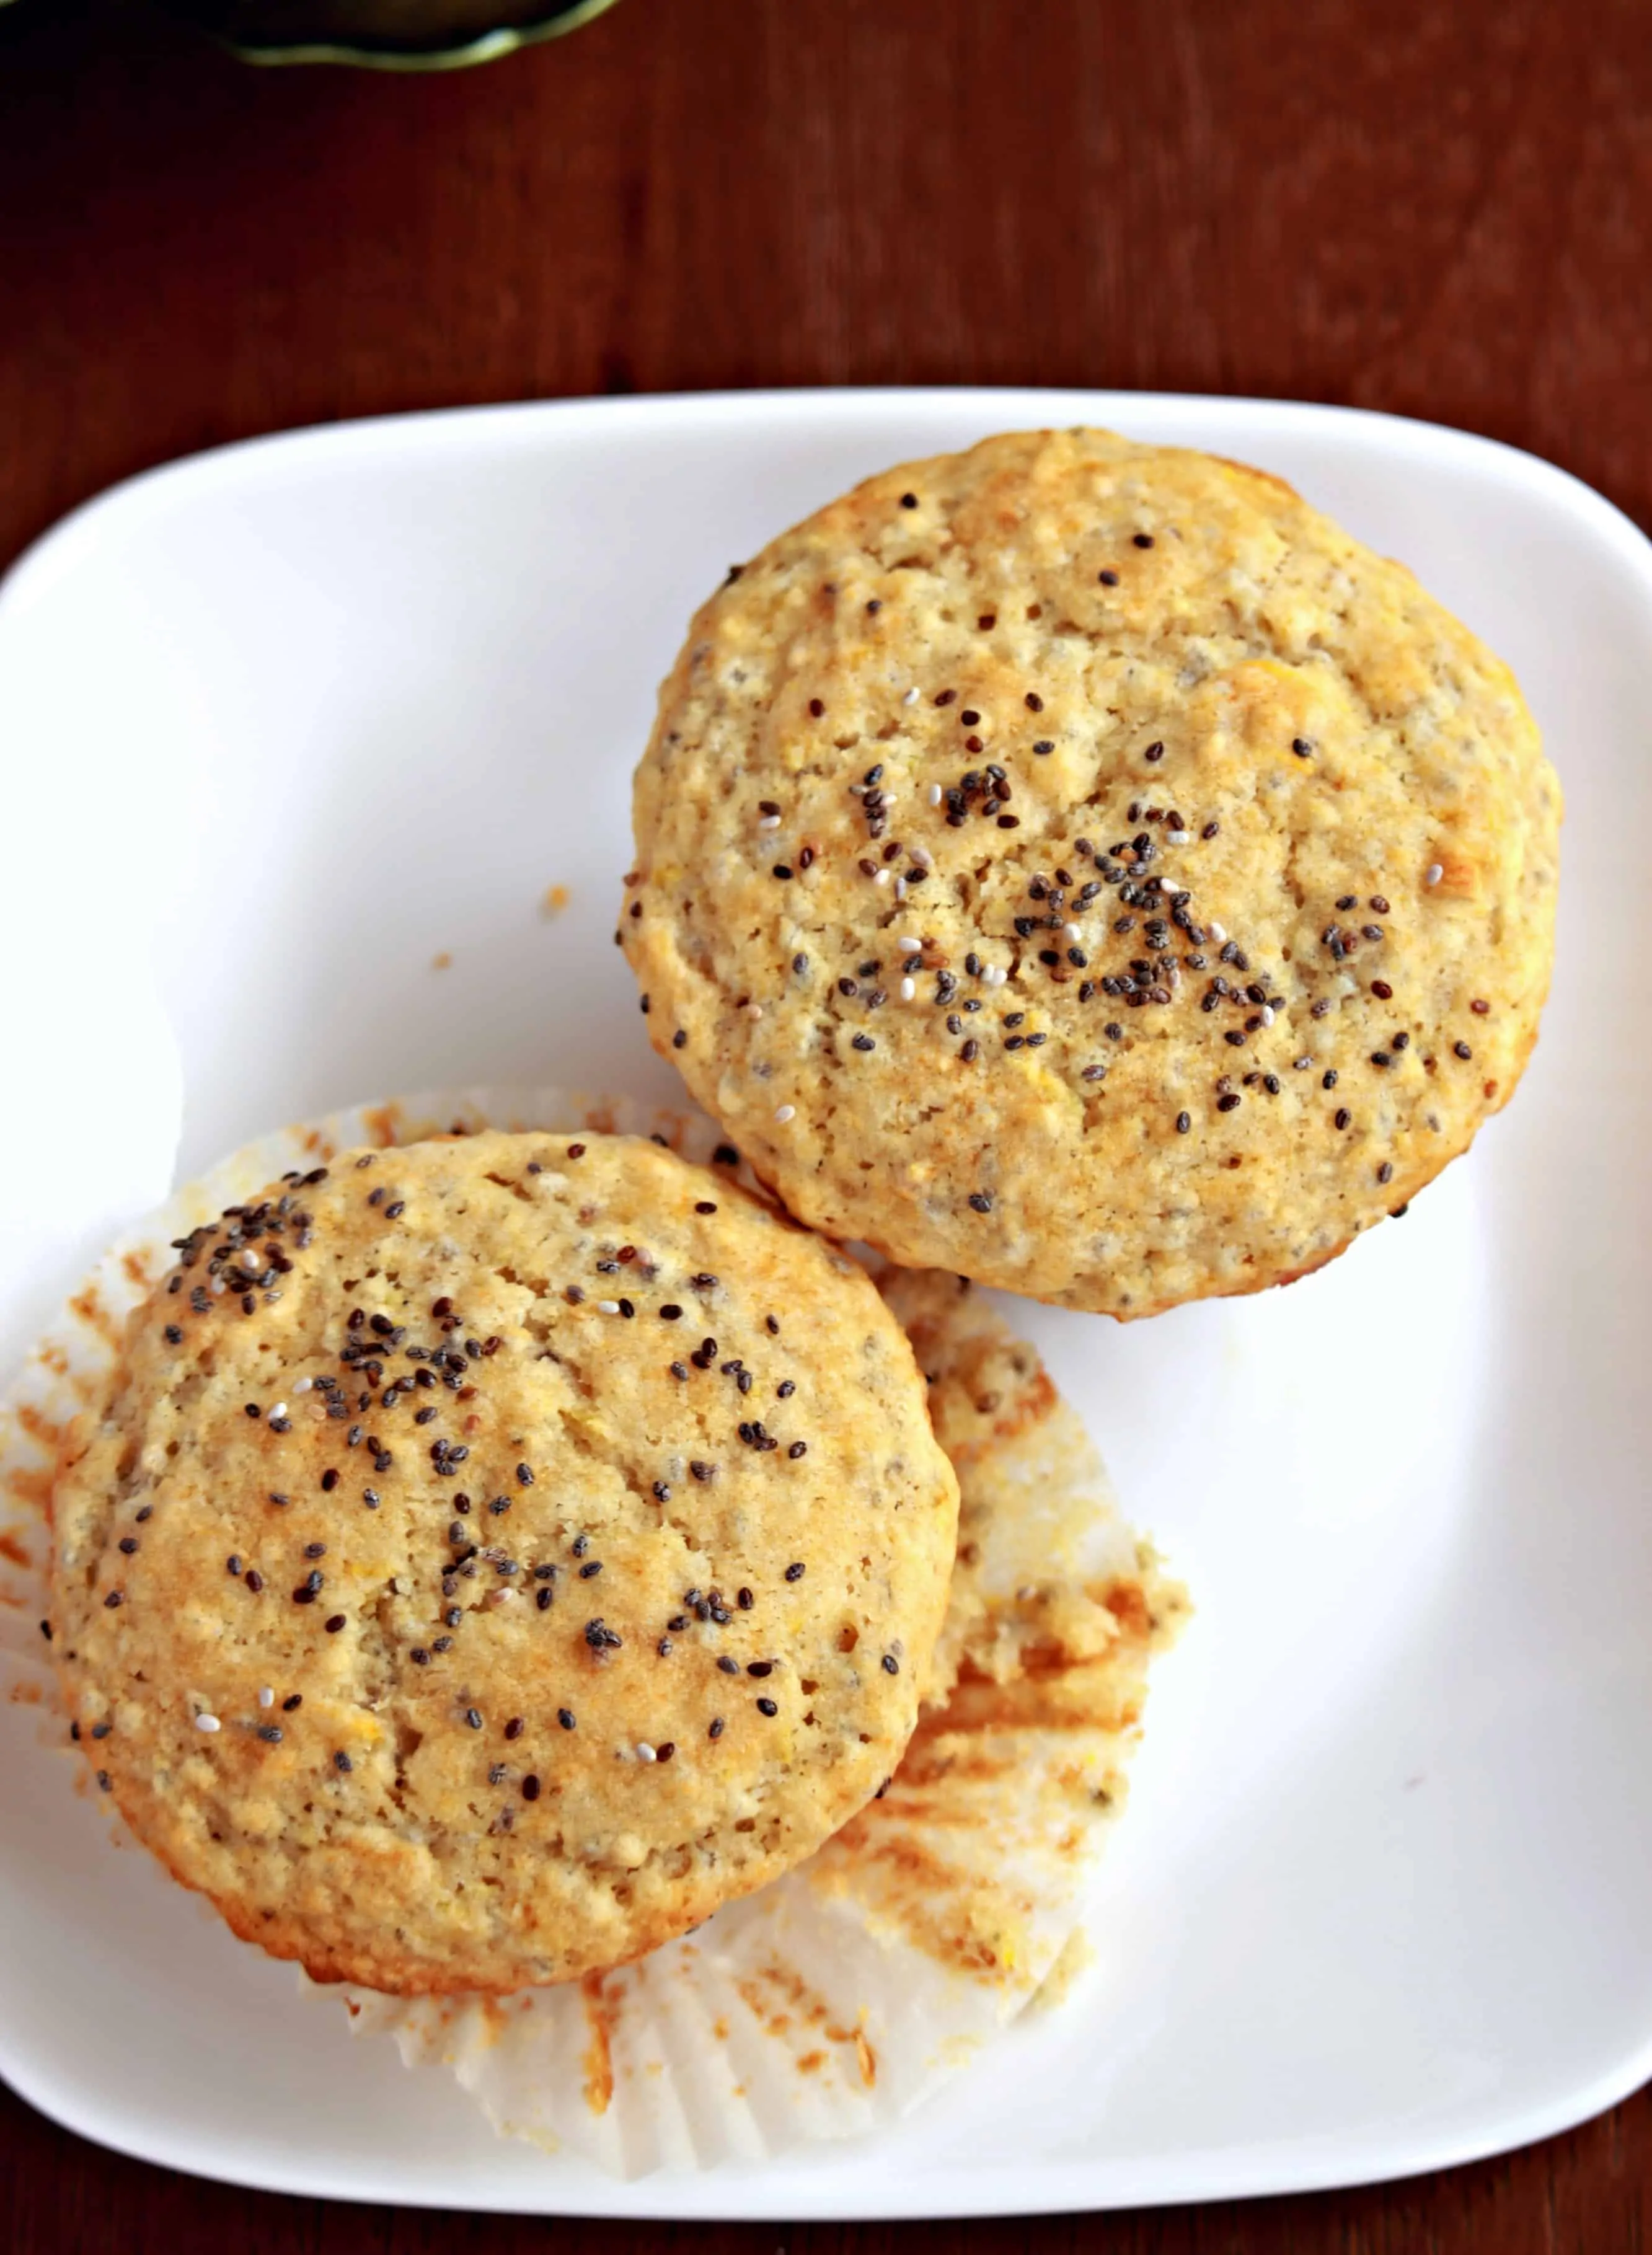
283, 724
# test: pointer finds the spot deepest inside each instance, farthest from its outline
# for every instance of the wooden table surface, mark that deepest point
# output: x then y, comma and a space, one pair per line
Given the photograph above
1443, 211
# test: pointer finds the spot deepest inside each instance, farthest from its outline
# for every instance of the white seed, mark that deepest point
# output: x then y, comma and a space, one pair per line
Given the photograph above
1072, 931
608, 1307
1267, 1016
644, 1751
207, 1722
786, 1112
1218, 932
280, 1409
1178, 836
934, 794
266, 1697
251, 1262
900, 889
769, 822
302, 1385
910, 697
910, 946
882, 878
908, 988
1432, 875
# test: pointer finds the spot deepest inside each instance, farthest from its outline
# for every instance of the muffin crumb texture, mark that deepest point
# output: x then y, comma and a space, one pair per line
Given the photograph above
1082, 866
488, 1557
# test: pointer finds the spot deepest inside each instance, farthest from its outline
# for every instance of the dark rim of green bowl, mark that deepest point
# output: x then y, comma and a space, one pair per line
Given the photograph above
389, 55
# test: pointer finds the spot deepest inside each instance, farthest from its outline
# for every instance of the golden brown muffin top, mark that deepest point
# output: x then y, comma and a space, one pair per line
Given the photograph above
494, 1554
1082, 866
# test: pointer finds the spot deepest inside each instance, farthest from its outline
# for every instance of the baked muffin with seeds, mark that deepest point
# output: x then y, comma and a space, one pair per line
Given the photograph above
492, 1555
1081, 866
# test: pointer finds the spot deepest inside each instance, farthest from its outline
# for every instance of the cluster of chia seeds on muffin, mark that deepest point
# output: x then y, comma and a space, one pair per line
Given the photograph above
1137, 859
238, 1265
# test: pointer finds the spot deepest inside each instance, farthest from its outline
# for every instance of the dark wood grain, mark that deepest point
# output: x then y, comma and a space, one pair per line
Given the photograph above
1441, 211
1446, 212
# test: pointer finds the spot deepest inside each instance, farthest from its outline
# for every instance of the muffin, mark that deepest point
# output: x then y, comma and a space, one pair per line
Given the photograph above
1081, 866
488, 1557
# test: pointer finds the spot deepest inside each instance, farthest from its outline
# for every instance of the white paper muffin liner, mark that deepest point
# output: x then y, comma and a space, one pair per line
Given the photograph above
840, 1997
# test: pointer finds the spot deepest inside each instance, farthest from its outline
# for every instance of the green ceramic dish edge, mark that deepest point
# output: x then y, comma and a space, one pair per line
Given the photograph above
485, 49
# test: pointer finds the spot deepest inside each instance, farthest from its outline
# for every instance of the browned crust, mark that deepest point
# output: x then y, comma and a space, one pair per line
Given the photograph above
785, 686
358, 1868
